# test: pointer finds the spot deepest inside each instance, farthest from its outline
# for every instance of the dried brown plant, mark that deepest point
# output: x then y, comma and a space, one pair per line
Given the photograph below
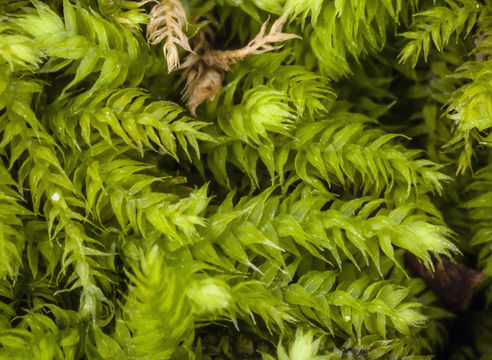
478, 41
261, 43
453, 283
201, 84
166, 22
206, 66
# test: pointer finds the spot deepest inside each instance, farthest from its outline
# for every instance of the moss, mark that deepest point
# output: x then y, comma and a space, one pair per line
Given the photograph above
256, 201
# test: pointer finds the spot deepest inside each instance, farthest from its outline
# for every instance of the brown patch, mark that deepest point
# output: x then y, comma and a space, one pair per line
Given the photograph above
166, 22
206, 67
201, 84
453, 283
261, 43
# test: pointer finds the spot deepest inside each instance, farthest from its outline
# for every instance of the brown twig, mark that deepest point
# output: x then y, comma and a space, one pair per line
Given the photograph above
166, 22
453, 283
206, 66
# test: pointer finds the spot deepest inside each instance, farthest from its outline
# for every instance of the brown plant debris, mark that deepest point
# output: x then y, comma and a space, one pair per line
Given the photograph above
166, 22
478, 41
453, 283
206, 66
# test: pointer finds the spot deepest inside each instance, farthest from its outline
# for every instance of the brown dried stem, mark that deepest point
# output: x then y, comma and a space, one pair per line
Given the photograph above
166, 22
206, 71
223, 59
453, 283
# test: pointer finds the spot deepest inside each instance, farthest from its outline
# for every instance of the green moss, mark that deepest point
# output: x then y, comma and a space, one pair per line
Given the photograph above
274, 223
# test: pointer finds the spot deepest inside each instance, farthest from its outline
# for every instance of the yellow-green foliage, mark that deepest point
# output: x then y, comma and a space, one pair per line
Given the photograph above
282, 211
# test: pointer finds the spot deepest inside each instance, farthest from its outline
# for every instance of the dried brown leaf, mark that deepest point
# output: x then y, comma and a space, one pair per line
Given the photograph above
206, 66
261, 43
166, 22
453, 283
201, 85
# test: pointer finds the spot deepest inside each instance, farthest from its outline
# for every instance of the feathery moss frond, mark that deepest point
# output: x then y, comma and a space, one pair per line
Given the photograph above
118, 185
306, 90
341, 29
481, 213
438, 24
468, 105
262, 110
110, 52
12, 238
276, 221
355, 307
358, 155
126, 12
264, 227
156, 309
20, 51
40, 337
303, 347
129, 115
